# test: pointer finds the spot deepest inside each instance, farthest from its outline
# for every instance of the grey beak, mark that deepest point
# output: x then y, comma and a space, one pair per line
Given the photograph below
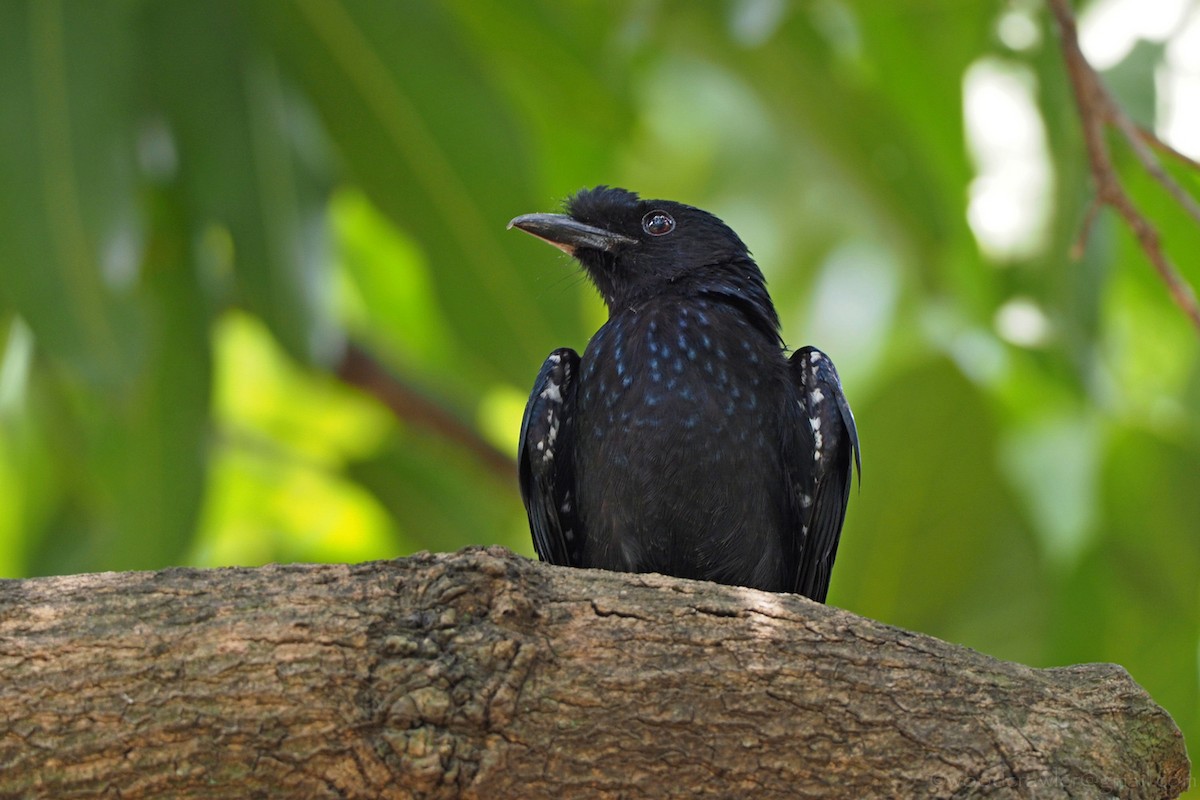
567, 233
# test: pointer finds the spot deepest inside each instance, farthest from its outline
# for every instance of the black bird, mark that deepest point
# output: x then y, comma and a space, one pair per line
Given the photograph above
684, 441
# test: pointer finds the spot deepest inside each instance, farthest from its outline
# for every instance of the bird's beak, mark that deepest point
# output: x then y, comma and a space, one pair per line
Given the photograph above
568, 234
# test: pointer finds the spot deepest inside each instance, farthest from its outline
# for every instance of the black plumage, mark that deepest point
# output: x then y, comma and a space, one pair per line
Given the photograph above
684, 441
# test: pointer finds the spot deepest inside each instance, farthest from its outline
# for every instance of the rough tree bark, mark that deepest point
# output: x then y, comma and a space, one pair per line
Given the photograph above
483, 675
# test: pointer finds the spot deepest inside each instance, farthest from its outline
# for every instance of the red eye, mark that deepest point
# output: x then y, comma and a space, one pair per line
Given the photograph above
658, 223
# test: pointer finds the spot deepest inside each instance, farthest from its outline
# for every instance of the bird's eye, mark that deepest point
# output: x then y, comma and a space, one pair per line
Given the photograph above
658, 223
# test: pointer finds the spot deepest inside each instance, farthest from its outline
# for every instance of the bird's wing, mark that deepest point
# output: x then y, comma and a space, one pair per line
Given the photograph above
545, 462
819, 459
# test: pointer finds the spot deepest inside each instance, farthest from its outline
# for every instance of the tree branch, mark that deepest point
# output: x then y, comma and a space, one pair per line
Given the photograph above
358, 368
1097, 110
483, 675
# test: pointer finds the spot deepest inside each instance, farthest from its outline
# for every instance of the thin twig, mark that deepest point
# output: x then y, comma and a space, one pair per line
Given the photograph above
1097, 109
1085, 230
1149, 137
1141, 149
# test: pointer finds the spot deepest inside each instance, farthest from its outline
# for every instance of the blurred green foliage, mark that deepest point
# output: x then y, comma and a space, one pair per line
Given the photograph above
201, 202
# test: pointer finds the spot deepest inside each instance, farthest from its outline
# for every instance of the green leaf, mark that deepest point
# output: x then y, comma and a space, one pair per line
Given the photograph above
934, 539
423, 130
250, 160
1133, 599
136, 466
68, 231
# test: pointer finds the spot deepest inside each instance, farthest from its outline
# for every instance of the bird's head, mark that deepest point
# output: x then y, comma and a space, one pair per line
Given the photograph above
634, 250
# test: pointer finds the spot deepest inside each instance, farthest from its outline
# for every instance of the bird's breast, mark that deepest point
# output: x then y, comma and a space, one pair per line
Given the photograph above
677, 371
677, 450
